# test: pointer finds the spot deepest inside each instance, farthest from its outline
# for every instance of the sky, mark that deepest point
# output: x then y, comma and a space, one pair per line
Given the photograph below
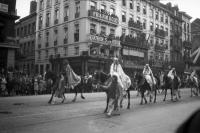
191, 7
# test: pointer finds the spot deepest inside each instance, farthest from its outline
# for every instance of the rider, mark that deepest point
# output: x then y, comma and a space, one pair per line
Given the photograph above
193, 77
148, 74
72, 78
172, 73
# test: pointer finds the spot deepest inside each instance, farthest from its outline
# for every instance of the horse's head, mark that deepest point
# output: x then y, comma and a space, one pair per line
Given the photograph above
101, 76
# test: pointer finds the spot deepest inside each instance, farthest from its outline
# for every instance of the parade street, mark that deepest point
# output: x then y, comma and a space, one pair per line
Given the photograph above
33, 114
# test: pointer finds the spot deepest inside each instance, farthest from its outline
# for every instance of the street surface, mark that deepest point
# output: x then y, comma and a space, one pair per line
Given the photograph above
32, 114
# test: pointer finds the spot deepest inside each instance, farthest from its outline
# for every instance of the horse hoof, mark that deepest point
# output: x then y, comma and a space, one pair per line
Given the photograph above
82, 97
73, 100
128, 107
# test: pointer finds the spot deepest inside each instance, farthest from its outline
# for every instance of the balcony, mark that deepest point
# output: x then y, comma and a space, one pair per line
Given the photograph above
160, 33
136, 25
56, 21
77, 14
187, 44
103, 16
138, 42
66, 18
159, 47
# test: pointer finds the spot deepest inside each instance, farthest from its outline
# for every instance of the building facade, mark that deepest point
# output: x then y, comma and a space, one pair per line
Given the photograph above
7, 40
89, 33
195, 30
186, 40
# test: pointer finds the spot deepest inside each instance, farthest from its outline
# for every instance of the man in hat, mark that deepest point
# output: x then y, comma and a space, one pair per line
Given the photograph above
172, 73
124, 80
148, 74
194, 77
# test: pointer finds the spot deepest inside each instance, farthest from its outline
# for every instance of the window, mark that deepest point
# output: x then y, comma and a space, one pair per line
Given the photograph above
65, 51
56, 16
66, 35
76, 34
39, 54
167, 32
47, 19
76, 50
123, 2
161, 27
55, 51
166, 19
131, 17
33, 27
112, 11
92, 28
138, 19
112, 32
41, 4
162, 17
103, 30
57, 1
77, 12
123, 31
157, 15
93, 5
131, 4
144, 23
144, 10
138, 7
25, 30
151, 13
123, 16
66, 13
47, 53
48, 3
157, 26
151, 26
103, 7
40, 22
29, 29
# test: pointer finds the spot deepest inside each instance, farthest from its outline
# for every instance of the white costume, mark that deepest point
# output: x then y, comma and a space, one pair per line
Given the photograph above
194, 78
73, 78
123, 79
171, 74
148, 74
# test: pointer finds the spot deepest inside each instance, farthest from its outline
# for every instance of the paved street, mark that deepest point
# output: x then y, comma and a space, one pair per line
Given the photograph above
33, 114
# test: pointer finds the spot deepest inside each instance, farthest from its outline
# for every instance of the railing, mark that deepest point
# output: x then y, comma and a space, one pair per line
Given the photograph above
56, 21
160, 33
187, 44
103, 15
136, 25
66, 18
139, 41
160, 47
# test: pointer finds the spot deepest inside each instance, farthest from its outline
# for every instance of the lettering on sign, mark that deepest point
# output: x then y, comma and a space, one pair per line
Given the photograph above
104, 40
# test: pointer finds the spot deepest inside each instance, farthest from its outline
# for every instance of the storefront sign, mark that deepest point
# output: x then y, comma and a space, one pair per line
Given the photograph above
3, 7
104, 40
133, 53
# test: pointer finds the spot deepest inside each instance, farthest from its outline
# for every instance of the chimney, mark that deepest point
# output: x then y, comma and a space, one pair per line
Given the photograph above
33, 6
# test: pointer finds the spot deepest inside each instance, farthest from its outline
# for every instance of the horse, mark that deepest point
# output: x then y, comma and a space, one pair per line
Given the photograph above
144, 86
54, 85
103, 78
173, 85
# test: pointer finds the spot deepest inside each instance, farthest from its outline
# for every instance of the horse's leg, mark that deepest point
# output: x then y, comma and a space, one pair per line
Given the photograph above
145, 99
172, 93
165, 89
63, 98
142, 96
82, 94
155, 94
50, 100
107, 101
128, 92
75, 90
191, 92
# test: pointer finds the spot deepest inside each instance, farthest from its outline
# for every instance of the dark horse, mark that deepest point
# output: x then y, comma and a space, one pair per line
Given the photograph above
55, 82
144, 86
103, 78
173, 85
